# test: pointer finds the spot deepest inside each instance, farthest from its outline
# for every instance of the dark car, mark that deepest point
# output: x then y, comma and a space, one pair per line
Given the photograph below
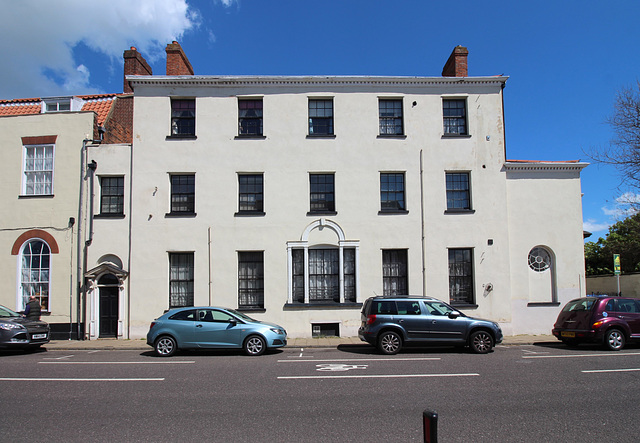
213, 328
611, 321
19, 332
390, 323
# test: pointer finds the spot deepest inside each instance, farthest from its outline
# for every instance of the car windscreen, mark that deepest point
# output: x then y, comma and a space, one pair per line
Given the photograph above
581, 304
8, 313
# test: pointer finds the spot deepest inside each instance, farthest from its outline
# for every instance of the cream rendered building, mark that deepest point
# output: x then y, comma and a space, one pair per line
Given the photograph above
294, 198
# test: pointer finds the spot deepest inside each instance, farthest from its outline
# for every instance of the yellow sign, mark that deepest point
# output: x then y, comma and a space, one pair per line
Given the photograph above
616, 264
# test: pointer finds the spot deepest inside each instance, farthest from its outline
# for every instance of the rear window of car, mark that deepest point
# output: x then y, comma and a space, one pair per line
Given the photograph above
189, 314
384, 307
582, 304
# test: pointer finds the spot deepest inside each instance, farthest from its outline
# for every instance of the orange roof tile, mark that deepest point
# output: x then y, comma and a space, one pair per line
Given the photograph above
101, 106
21, 106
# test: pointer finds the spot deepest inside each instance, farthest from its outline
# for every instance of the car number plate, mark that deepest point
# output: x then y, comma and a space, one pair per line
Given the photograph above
568, 334
37, 336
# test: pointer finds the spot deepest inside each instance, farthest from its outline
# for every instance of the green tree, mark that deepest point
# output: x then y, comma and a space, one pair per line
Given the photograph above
623, 238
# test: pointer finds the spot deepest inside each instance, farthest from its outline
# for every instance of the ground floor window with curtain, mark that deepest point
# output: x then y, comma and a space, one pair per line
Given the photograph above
394, 272
251, 280
461, 276
180, 279
324, 275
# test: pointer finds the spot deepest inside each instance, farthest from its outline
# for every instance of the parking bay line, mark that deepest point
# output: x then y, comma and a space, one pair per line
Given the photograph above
307, 377
116, 362
309, 360
617, 354
79, 379
595, 371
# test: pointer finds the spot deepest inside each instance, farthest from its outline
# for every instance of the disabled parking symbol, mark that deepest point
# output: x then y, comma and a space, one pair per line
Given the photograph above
339, 367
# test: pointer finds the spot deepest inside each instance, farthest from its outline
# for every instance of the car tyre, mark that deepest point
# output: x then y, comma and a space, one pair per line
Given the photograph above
481, 342
165, 346
614, 339
389, 343
254, 345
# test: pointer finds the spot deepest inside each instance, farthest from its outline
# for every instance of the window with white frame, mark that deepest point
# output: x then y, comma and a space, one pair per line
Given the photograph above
38, 170
454, 113
390, 116
321, 117
112, 195
35, 272
458, 191
181, 278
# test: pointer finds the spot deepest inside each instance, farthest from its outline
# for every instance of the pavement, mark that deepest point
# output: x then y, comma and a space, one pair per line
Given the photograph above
320, 342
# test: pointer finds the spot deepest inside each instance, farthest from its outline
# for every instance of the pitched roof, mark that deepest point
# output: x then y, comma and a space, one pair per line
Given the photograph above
101, 104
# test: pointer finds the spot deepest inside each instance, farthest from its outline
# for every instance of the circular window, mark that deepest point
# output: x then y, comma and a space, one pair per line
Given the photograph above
539, 259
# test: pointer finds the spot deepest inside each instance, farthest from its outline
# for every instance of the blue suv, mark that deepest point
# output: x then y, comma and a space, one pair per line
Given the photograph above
391, 322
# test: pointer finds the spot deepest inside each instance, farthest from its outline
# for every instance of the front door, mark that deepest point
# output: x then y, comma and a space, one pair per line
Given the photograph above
109, 311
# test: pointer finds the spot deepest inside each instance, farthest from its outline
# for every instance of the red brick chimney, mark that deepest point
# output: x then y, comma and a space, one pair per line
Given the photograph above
456, 66
134, 64
177, 61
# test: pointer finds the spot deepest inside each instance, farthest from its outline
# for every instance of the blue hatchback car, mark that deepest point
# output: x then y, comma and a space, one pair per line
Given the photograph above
213, 328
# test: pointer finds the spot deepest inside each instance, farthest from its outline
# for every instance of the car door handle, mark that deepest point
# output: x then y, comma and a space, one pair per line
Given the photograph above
198, 326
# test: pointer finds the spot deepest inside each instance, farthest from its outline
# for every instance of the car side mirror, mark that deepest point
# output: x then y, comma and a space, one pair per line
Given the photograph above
233, 322
454, 314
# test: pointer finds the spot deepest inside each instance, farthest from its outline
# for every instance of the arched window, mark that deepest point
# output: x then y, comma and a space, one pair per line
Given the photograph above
35, 266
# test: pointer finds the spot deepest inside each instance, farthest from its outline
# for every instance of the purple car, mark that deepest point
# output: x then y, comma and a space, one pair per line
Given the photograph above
611, 321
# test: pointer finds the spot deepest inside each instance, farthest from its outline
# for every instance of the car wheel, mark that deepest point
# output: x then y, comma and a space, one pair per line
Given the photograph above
614, 340
166, 346
389, 343
481, 342
254, 345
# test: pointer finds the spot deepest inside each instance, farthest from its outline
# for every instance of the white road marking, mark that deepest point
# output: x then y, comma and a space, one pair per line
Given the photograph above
339, 367
611, 370
59, 358
80, 379
174, 362
616, 354
363, 359
307, 377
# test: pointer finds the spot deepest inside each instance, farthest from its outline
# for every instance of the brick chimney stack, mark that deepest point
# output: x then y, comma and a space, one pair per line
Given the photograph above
134, 64
177, 61
456, 66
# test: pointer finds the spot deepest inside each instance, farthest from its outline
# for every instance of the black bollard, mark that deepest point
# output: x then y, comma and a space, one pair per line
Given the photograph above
430, 426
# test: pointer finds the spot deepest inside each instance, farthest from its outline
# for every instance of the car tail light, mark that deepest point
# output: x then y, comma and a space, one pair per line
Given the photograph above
371, 318
152, 325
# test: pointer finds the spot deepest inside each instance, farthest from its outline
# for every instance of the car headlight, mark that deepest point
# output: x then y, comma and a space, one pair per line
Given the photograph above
278, 331
10, 326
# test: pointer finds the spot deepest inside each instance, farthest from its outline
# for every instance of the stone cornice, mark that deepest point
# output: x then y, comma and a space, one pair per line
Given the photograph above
305, 81
538, 166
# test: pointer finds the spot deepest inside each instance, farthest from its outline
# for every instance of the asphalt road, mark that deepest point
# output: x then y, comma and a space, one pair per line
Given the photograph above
515, 394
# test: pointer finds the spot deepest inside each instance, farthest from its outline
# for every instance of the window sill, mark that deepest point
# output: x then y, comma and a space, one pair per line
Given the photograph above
250, 137
251, 309
250, 214
111, 216
28, 196
181, 137
460, 211
543, 303
321, 136
393, 212
324, 305
180, 215
456, 136
313, 213
464, 306
392, 136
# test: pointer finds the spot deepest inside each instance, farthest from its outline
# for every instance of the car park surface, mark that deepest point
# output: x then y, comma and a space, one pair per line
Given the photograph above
610, 321
213, 328
20, 333
389, 323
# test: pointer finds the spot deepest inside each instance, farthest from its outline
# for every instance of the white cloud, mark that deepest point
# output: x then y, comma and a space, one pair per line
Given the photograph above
625, 205
593, 226
39, 36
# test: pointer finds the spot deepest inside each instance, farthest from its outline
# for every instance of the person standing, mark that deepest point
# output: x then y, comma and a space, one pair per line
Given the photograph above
33, 309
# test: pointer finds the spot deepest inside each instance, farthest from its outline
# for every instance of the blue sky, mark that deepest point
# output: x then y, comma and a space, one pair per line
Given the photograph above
565, 59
